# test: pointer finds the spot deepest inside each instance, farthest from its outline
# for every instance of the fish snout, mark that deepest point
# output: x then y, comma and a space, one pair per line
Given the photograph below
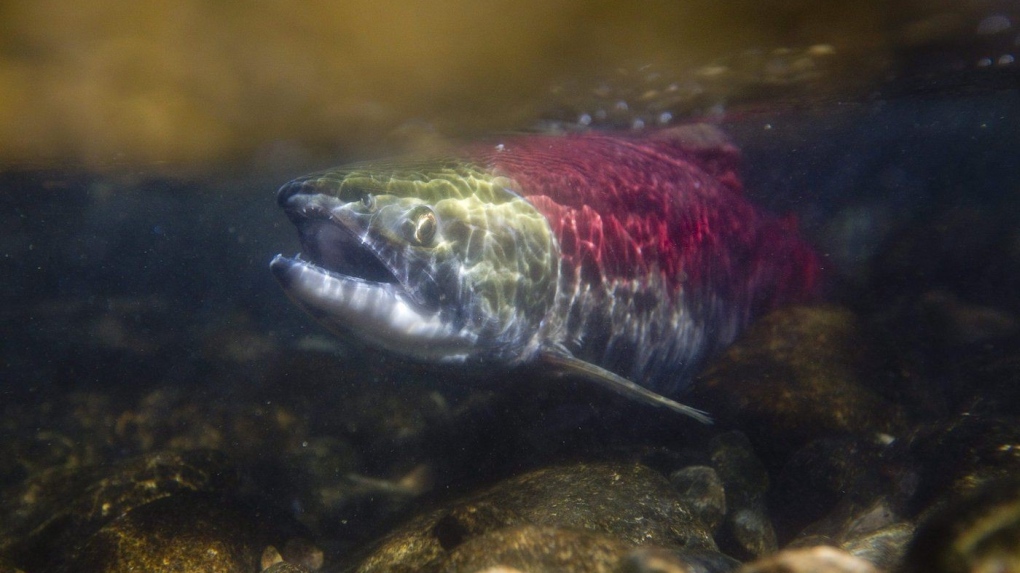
295, 187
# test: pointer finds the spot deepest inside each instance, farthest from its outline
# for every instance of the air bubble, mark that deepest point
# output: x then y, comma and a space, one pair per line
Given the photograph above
665, 117
585, 119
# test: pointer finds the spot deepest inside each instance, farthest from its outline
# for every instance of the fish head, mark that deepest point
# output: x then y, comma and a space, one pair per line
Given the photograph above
440, 261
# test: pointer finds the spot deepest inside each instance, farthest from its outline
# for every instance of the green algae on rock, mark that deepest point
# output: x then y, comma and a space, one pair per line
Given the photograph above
140, 513
57, 511
617, 506
185, 532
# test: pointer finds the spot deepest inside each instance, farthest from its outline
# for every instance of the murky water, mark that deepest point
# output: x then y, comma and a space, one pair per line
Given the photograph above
154, 378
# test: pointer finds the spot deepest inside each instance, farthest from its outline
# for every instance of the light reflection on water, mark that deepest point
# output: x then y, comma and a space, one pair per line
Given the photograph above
112, 82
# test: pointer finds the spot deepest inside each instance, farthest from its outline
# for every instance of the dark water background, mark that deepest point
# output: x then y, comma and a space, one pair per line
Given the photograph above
138, 218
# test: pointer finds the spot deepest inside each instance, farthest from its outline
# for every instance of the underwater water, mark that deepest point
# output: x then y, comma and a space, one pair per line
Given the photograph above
165, 406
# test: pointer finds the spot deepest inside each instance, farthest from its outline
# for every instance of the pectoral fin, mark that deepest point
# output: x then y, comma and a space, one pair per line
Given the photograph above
567, 364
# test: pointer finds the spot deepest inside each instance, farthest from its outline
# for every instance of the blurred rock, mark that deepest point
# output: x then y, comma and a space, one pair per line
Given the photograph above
800, 374
55, 512
703, 493
812, 560
746, 483
958, 323
617, 506
961, 454
183, 532
884, 548
979, 531
827, 482
284, 567
658, 560
984, 379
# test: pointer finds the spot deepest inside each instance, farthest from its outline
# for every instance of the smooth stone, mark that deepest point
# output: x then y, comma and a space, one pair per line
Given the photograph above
623, 505
537, 550
821, 559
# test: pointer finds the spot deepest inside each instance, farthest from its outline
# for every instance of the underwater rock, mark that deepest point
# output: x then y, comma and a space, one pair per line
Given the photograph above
744, 476
824, 483
979, 531
986, 378
659, 560
883, 548
703, 493
819, 559
854, 493
183, 532
954, 322
537, 549
752, 531
175, 418
798, 374
617, 506
54, 512
961, 454
746, 482
284, 567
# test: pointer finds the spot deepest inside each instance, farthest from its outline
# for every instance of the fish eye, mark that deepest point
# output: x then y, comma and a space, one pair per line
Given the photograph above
425, 223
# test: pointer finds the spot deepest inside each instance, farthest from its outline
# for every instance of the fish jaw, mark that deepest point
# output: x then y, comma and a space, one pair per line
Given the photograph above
381, 314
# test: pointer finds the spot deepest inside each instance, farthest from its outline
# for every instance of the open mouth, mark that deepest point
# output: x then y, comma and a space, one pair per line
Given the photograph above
328, 246
340, 253
343, 280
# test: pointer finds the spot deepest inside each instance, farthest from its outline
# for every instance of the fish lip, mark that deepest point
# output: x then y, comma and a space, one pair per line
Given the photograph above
380, 314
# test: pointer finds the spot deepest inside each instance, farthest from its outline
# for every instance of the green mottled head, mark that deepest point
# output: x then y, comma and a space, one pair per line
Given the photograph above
441, 262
